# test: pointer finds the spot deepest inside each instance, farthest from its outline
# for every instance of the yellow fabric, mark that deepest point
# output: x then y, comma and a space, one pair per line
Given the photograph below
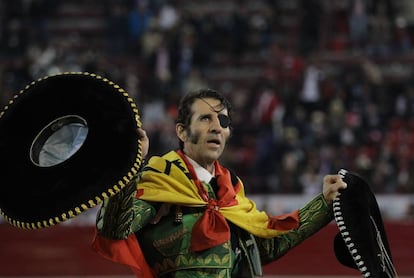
177, 188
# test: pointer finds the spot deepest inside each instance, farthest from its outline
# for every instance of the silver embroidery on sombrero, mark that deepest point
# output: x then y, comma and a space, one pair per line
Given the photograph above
386, 261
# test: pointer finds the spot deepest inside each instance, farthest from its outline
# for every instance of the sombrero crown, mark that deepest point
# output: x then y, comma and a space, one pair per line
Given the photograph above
362, 241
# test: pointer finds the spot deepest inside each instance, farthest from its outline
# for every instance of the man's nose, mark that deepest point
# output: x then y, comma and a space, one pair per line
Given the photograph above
215, 125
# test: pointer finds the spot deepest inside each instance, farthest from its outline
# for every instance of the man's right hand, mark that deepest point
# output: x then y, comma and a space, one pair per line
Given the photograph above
142, 134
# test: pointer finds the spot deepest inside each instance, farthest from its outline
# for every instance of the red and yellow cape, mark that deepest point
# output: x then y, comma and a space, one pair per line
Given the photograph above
171, 179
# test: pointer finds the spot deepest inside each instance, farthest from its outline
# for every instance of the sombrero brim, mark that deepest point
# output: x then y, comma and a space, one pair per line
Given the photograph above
362, 242
32, 196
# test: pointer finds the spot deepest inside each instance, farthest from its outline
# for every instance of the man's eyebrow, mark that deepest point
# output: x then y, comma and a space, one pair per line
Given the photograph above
205, 115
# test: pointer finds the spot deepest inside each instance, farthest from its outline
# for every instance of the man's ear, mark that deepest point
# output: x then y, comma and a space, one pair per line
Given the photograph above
181, 132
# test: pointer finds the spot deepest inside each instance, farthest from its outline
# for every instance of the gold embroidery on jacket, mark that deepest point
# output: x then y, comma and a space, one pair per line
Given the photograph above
170, 239
184, 261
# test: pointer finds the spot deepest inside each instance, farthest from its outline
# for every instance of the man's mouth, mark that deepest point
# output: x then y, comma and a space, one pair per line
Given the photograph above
214, 141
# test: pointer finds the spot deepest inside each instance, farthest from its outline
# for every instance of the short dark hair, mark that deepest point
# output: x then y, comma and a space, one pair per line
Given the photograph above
184, 108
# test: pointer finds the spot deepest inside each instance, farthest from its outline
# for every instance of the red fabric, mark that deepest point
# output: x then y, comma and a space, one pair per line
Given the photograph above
212, 228
139, 193
126, 251
285, 221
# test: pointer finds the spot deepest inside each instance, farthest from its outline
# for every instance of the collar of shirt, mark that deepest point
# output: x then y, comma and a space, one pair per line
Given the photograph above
202, 174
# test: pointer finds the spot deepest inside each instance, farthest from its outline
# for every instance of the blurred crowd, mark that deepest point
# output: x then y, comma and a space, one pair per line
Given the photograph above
329, 84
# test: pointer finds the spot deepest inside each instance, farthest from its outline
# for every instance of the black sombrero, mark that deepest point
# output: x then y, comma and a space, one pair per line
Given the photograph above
67, 142
362, 242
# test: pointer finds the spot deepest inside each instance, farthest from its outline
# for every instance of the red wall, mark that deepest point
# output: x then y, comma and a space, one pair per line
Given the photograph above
316, 255
65, 250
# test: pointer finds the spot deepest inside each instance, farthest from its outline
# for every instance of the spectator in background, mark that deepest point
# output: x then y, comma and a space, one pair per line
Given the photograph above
309, 180
239, 31
310, 95
139, 18
194, 81
312, 11
358, 24
160, 68
15, 37
381, 29
39, 14
168, 16
116, 28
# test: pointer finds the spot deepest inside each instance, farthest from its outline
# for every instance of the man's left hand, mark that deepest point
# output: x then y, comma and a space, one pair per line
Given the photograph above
331, 186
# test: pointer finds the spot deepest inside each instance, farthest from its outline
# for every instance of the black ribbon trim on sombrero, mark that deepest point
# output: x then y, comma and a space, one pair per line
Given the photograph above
362, 242
34, 197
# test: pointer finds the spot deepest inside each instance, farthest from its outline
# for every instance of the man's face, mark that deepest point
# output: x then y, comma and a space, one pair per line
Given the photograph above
204, 139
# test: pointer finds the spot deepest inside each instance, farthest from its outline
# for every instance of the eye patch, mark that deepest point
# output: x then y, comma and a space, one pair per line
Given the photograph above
224, 120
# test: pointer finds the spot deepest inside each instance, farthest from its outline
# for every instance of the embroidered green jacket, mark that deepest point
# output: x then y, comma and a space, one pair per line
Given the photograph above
166, 244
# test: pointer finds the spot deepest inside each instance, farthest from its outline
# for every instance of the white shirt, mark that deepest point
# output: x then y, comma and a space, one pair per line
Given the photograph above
202, 174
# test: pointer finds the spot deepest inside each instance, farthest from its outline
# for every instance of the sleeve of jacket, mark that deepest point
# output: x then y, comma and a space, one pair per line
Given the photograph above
122, 214
312, 217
